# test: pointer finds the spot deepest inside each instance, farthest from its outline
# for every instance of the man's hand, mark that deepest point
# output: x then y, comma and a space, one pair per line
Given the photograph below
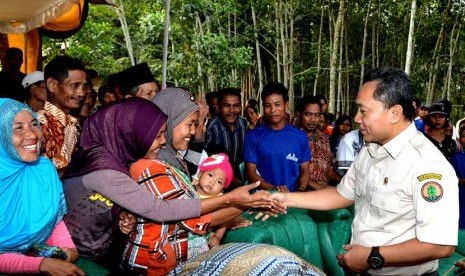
460, 267
57, 267
241, 197
355, 259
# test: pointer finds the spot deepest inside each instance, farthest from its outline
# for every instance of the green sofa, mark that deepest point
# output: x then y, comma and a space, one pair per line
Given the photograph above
318, 236
314, 236
446, 266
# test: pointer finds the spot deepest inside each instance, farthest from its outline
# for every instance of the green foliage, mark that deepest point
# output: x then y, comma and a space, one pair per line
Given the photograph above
205, 50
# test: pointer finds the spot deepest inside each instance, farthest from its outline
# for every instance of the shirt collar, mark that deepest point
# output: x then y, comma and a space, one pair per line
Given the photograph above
394, 147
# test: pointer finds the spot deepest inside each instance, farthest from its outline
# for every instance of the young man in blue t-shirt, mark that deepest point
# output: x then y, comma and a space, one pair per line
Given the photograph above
277, 154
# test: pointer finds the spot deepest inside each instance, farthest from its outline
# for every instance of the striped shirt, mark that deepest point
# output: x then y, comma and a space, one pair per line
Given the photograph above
219, 133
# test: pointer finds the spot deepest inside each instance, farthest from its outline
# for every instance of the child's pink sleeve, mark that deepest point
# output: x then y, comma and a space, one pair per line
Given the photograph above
60, 237
18, 263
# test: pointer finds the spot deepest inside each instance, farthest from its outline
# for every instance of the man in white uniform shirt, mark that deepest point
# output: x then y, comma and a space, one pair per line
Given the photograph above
404, 190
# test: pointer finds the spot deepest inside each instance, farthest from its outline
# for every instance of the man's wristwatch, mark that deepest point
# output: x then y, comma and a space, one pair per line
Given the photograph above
375, 260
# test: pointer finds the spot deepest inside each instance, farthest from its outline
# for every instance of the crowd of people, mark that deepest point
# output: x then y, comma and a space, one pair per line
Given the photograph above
151, 178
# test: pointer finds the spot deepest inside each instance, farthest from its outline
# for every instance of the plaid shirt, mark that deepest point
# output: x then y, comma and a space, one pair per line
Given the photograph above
149, 239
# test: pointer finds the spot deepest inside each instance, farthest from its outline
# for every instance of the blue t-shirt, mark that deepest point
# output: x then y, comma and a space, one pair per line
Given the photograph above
277, 154
420, 125
458, 162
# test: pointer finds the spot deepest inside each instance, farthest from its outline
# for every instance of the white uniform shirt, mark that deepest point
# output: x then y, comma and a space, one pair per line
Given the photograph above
402, 190
348, 149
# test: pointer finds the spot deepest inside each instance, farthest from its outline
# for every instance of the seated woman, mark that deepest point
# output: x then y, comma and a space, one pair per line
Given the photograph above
98, 178
155, 248
33, 237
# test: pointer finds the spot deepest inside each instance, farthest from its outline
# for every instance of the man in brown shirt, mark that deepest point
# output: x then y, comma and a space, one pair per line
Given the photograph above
67, 86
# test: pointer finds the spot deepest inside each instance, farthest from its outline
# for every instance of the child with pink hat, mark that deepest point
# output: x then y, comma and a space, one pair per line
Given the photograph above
214, 175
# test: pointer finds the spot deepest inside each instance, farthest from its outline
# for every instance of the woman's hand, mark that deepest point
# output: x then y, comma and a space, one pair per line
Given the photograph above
127, 222
242, 198
71, 253
57, 267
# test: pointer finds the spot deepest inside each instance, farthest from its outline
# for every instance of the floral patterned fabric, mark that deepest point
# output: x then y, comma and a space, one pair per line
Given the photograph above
60, 135
322, 158
247, 259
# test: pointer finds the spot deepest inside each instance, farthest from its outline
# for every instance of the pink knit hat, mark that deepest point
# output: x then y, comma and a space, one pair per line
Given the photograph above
220, 161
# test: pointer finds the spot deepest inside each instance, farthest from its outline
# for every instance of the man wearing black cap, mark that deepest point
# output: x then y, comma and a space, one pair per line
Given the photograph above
138, 81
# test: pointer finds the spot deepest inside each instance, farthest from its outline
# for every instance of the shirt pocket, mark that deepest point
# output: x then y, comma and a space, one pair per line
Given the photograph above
384, 212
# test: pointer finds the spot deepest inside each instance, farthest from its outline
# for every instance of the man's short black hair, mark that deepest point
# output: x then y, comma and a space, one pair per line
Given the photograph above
229, 91
59, 67
275, 88
393, 86
306, 100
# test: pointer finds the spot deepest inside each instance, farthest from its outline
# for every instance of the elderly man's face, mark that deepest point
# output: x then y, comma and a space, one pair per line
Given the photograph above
70, 93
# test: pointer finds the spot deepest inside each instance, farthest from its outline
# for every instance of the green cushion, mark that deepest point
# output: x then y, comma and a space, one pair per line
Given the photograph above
334, 228
89, 267
294, 231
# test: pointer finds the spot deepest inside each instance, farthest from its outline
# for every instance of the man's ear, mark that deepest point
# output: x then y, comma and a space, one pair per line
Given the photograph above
397, 113
52, 85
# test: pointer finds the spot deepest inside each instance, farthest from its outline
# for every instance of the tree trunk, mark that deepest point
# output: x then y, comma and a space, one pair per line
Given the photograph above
364, 45
278, 53
339, 73
434, 66
333, 60
165, 43
291, 56
124, 25
257, 49
452, 49
318, 62
411, 33
282, 27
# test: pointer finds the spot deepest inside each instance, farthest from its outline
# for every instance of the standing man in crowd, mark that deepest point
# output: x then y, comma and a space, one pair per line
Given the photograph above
67, 86
138, 81
404, 190
419, 124
321, 165
226, 132
36, 90
278, 151
11, 75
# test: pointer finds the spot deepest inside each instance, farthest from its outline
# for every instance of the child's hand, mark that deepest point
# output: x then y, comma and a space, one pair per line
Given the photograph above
214, 241
127, 222
237, 223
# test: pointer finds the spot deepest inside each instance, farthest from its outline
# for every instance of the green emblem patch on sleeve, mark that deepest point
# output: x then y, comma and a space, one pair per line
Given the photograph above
429, 176
431, 191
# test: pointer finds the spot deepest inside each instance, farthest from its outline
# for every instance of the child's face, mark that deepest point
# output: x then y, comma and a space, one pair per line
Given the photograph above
211, 182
